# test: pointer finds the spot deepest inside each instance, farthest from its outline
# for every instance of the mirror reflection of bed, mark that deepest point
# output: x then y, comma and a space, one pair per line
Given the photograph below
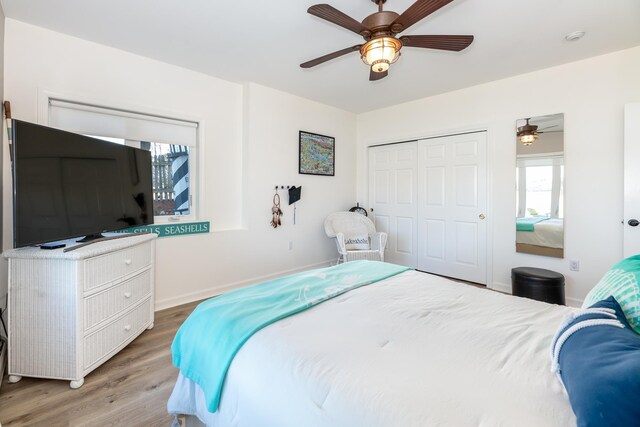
540, 186
546, 238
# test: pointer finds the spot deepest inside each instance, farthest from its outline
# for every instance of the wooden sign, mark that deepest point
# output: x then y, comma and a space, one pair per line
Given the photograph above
171, 229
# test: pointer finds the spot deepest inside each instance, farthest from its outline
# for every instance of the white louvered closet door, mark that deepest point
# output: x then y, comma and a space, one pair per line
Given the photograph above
452, 203
392, 196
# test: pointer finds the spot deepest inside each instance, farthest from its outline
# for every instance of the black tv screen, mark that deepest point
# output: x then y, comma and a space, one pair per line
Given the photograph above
67, 185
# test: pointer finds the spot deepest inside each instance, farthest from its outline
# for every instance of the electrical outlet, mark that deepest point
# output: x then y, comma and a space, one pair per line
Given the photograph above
574, 265
291, 245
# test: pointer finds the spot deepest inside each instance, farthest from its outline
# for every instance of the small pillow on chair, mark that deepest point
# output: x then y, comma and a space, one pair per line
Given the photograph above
357, 242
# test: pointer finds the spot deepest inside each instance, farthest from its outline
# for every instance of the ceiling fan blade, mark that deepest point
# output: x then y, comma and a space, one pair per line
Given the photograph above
329, 56
453, 43
416, 12
549, 127
333, 15
373, 76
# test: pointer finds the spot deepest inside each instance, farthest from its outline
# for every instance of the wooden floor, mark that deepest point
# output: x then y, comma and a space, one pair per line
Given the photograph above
131, 389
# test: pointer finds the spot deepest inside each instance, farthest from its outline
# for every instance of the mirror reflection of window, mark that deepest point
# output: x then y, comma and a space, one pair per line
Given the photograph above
540, 181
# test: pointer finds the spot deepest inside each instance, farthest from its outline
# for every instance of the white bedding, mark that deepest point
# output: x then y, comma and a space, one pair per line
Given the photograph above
412, 350
549, 233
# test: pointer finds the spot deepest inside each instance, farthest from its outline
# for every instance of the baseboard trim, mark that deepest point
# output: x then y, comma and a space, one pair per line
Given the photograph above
502, 287
218, 290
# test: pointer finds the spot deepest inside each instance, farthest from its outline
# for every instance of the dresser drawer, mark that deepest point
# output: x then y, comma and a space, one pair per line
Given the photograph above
112, 336
101, 306
107, 268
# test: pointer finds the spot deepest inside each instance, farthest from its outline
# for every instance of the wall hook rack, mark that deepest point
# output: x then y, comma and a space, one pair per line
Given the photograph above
282, 187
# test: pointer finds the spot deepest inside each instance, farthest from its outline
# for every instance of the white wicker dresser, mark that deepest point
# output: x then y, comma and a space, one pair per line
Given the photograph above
69, 312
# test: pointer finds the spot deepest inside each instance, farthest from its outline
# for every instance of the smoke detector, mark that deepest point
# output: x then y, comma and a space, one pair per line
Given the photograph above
576, 35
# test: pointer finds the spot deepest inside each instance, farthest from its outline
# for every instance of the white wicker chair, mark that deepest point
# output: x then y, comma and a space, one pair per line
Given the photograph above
350, 224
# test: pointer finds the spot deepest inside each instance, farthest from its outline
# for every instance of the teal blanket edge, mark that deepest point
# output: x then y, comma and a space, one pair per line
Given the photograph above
528, 224
209, 339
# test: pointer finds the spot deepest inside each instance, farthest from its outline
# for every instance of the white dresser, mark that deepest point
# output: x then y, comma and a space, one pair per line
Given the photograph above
69, 312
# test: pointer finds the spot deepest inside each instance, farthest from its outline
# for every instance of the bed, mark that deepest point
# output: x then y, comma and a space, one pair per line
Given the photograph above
547, 238
411, 350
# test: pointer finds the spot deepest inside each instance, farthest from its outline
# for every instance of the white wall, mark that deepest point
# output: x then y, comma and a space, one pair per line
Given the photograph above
248, 145
273, 121
591, 93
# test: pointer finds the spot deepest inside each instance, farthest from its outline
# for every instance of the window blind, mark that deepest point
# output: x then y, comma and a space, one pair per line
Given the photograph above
539, 161
100, 121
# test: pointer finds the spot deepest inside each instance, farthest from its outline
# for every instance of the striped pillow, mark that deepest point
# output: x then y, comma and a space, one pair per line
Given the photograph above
597, 357
621, 282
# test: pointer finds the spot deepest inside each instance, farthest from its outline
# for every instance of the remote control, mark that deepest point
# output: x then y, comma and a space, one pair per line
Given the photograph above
53, 246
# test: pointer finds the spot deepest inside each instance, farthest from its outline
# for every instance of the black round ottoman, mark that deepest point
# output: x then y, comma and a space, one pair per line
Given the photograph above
538, 283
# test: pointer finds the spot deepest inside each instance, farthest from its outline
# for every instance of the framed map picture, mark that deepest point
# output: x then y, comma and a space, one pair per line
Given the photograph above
317, 154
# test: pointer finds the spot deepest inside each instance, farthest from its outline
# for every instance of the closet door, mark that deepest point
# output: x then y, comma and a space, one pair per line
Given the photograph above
452, 199
392, 196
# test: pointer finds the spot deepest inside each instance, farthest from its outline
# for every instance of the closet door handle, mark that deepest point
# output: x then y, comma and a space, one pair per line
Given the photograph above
633, 222
481, 216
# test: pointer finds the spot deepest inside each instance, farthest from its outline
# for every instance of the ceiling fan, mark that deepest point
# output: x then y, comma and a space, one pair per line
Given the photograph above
528, 133
379, 30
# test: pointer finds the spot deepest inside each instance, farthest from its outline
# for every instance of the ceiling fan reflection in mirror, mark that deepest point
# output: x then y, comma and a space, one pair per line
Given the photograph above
528, 133
379, 30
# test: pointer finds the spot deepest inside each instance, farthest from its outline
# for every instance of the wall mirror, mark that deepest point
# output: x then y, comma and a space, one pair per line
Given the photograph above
540, 185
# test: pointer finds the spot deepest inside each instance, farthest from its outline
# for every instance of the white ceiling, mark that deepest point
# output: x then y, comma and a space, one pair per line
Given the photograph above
265, 41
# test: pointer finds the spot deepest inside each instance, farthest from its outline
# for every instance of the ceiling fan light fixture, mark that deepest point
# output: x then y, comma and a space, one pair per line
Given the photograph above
528, 138
381, 46
380, 53
527, 133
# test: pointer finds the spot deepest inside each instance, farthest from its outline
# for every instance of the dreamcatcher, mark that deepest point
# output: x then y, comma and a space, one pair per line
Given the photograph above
276, 211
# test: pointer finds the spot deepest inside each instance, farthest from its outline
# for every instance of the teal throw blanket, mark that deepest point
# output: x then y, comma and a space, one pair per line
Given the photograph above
528, 224
208, 340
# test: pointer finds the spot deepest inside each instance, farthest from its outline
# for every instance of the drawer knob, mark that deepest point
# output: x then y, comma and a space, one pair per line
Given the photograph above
127, 261
127, 294
127, 328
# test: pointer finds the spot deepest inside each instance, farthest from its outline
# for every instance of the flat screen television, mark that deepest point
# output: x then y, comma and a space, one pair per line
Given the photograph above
67, 185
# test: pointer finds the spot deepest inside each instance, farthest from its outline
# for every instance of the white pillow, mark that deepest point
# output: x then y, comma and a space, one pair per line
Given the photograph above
357, 242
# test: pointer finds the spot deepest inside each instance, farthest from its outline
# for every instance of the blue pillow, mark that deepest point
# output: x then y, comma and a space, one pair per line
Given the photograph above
597, 357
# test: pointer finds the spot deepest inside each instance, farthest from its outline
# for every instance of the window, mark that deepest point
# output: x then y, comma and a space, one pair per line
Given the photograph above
172, 144
170, 176
539, 187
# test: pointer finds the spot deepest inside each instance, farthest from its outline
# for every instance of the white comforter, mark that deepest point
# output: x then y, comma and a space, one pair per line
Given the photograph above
549, 233
412, 350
